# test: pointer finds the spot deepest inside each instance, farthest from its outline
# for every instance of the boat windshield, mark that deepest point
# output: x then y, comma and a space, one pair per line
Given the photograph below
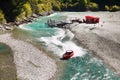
69, 52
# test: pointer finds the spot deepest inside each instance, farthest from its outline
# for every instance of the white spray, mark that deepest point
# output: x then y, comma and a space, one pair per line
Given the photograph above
59, 47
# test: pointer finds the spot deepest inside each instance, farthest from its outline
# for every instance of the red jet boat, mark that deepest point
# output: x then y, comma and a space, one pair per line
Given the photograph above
68, 54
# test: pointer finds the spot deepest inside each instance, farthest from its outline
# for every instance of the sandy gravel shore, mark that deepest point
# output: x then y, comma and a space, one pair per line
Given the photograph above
30, 62
102, 39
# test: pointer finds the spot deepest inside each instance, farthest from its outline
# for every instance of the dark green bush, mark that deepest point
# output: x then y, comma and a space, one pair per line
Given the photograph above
115, 8
21, 16
107, 8
27, 9
92, 6
2, 18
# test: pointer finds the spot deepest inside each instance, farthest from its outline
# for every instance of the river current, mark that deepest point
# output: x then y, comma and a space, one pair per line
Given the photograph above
82, 66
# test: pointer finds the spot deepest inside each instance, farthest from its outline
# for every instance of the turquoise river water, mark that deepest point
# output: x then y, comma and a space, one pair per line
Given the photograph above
82, 66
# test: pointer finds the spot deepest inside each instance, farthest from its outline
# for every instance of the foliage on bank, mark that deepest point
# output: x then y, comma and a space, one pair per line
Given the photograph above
15, 10
112, 8
2, 18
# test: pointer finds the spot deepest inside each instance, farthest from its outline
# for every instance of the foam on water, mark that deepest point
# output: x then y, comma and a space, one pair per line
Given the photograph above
56, 44
75, 76
25, 28
87, 68
57, 41
78, 51
52, 14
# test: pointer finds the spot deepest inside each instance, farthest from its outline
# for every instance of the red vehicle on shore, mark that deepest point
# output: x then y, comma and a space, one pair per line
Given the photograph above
91, 19
68, 54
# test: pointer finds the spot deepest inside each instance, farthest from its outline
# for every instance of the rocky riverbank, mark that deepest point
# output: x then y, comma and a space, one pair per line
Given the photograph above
11, 25
101, 39
24, 55
30, 62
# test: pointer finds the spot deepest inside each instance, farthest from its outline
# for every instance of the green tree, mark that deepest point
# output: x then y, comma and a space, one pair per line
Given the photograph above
27, 8
92, 6
11, 8
114, 8
2, 18
102, 3
82, 5
107, 7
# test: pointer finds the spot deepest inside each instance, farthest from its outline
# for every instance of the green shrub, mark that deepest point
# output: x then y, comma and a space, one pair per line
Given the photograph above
107, 8
92, 6
47, 7
2, 18
56, 5
21, 16
41, 8
81, 5
115, 8
27, 9
44, 8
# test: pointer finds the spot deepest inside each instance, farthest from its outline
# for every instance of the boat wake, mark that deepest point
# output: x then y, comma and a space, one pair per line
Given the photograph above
55, 40
61, 42
58, 41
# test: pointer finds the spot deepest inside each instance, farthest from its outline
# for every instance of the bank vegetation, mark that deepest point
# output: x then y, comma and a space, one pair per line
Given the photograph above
16, 10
